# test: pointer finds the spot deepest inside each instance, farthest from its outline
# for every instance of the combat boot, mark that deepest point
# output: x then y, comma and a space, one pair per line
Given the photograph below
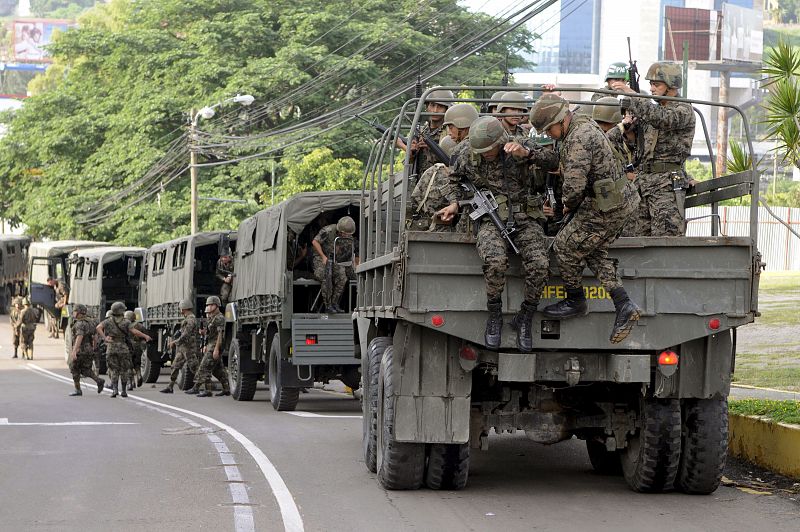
494, 325
114, 391
206, 393
223, 393
523, 324
101, 383
77, 392
627, 315
15, 352
169, 387
193, 390
139, 378
574, 305
124, 392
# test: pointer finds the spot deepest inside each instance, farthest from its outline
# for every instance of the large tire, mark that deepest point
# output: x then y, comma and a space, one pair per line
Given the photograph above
185, 378
448, 466
401, 465
705, 445
650, 462
603, 461
150, 370
283, 399
369, 402
243, 385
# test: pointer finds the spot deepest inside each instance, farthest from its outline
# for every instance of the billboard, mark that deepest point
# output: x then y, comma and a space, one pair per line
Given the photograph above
742, 34
696, 27
31, 36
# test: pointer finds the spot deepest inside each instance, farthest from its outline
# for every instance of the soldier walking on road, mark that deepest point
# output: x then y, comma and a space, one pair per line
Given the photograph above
664, 141
335, 244
601, 199
82, 354
226, 275
16, 324
492, 160
185, 344
28, 320
117, 332
211, 364
139, 345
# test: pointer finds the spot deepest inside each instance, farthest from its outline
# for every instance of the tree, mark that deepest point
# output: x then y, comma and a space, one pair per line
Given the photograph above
782, 104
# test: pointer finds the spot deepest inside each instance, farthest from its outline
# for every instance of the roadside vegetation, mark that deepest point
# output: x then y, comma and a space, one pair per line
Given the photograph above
778, 411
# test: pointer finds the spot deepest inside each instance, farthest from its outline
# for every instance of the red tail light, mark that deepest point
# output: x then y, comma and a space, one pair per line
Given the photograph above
311, 339
668, 358
713, 324
467, 353
437, 320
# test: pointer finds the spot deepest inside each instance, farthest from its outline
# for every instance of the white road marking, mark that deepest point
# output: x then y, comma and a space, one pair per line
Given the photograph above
5, 422
292, 521
332, 416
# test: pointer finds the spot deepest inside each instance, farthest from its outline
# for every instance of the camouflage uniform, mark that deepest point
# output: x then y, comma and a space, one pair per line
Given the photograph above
586, 158
665, 134
138, 345
208, 366
186, 348
28, 320
346, 249
81, 365
118, 356
14, 316
624, 149
223, 271
509, 180
426, 156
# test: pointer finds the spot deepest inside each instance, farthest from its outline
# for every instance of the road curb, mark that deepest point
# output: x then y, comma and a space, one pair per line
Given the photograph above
775, 446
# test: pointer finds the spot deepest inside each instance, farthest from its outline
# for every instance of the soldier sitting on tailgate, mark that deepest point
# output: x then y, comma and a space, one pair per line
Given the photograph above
335, 256
225, 275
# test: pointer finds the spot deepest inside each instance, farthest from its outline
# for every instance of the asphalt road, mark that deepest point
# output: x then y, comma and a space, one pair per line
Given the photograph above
177, 462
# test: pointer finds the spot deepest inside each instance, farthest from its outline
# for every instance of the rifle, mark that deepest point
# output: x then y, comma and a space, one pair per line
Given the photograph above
201, 328
633, 70
329, 275
436, 150
551, 193
483, 203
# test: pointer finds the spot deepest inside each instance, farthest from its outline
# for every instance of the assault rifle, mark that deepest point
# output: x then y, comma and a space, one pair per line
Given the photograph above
633, 70
483, 203
431, 143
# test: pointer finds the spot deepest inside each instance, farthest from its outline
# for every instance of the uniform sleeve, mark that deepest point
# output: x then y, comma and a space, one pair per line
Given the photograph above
458, 171
322, 236
663, 117
544, 157
577, 155
186, 328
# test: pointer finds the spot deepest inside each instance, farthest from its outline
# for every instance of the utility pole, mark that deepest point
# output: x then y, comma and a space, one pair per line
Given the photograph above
722, 122
272, 184
193, 170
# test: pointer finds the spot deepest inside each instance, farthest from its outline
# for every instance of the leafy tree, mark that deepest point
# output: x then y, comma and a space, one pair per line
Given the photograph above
782, 104
59, 8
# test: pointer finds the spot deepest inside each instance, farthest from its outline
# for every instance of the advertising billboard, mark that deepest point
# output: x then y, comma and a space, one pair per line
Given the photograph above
31, 36
742, 34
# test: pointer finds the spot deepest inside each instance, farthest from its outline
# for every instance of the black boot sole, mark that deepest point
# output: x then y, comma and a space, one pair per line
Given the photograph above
564, 316
620, 334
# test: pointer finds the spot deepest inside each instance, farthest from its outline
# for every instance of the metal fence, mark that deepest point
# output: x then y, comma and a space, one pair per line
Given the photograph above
779, 248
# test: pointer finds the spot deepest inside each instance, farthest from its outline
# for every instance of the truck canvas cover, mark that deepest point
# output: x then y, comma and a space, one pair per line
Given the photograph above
89, 290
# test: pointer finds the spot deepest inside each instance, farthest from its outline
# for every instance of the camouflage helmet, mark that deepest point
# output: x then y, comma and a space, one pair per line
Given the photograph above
617, 71
486, 133
669, 73
512, 100
80, 308
460, 115
346, 225
213, 300
584, 110
442, 94
130, 315
548, 110
108, 314
186, 304
448, 145
118, 308
495, 99
609, 113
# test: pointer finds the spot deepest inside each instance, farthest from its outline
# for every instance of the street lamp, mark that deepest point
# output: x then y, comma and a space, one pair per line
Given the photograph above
205, 113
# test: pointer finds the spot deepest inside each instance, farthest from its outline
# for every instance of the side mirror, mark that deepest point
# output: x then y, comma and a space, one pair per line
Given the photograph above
131, 266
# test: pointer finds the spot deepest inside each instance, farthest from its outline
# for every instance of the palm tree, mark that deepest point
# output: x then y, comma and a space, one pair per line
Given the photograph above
782, 79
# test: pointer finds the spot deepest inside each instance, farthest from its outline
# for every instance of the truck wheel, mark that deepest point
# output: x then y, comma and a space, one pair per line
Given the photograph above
448, 466
369, 403
603, 461
705, 445
650, 462
401, 465
185, 378
283, 399
150, 370
243, 385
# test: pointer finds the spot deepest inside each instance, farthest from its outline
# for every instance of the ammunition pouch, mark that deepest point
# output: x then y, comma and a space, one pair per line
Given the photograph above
533, 207
609, 194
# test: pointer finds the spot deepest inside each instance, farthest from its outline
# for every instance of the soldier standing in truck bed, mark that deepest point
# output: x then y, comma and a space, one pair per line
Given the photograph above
335, 244
225, 274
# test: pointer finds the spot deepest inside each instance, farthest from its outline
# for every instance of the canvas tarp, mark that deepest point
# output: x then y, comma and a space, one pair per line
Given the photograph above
170, 285
262, 238
88, 290
14, 259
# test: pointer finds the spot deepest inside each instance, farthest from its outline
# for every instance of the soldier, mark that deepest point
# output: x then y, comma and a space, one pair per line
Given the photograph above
52, 319
513, 109
494, 161
135, 376
609, 118
225, 275
494, 101
186, 345
28, 320
117, 332
433, 127
335, 243
664, 141
600, 198
15, 315
82, 354
211, 364
616, 72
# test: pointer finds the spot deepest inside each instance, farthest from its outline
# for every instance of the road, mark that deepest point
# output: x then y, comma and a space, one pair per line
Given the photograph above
177, 462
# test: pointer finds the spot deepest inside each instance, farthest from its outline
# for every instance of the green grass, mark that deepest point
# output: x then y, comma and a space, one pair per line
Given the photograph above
780, 411
779, 282
779, 378
773, 35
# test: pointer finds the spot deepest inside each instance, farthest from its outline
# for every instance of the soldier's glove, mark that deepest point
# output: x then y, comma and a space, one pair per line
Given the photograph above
625, 102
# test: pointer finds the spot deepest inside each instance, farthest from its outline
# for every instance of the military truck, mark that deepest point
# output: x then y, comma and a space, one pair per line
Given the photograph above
13, 268
276, 322
175, 270
653, 408
49, 260
100, 276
